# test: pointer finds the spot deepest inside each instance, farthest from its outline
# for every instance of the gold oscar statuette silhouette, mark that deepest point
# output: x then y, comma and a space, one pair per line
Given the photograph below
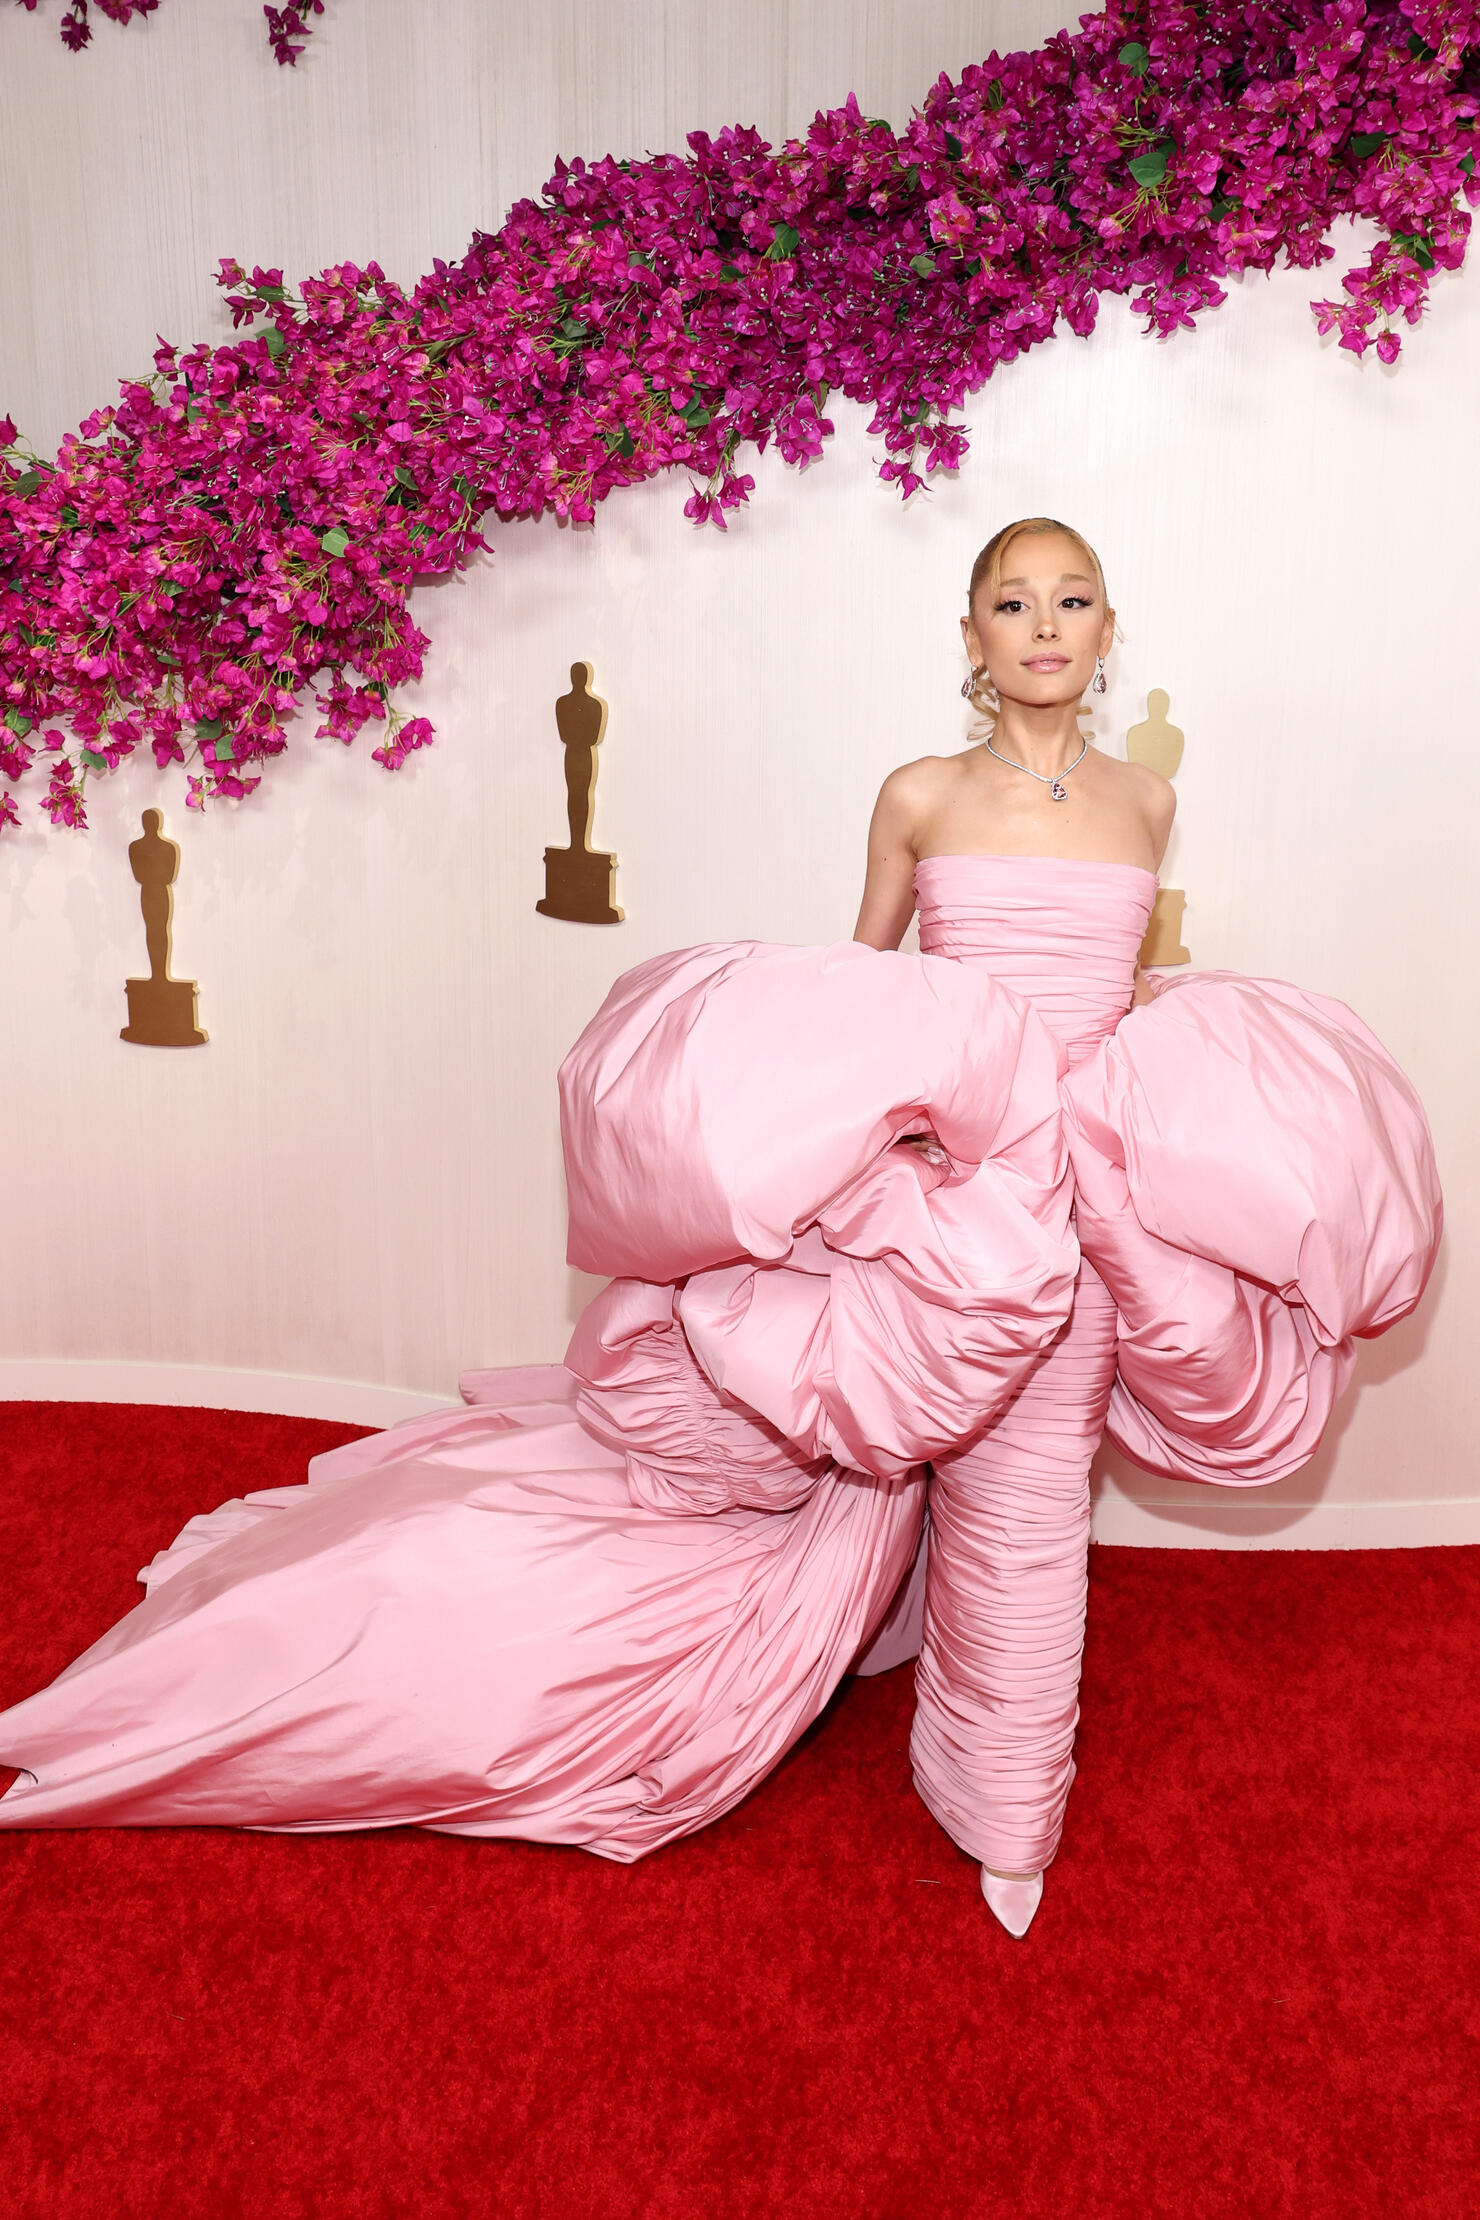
161, 1010
580, 881
1158, 744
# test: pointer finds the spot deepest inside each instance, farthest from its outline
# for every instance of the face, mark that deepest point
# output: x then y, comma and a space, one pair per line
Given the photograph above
1039, 636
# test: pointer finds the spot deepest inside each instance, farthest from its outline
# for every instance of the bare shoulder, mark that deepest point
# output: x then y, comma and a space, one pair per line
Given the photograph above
913, 789
926, 775
1155, 796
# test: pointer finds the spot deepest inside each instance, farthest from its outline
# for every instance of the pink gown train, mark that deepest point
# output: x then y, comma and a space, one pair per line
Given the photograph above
598, 1603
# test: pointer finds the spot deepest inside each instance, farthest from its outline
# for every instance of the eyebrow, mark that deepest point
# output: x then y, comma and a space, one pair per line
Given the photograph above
1068, 577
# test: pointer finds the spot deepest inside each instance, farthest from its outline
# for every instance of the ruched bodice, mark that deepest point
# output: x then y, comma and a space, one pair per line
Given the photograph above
1061, 933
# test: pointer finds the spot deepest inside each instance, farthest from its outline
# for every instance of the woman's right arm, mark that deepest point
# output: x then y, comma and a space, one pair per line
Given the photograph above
889, 886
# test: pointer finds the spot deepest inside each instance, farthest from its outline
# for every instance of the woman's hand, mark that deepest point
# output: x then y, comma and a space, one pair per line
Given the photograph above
926, 1145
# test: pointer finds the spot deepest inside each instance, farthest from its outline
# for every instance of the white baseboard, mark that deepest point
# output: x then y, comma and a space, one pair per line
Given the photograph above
212, 1387
1235, 1518
1223, 1518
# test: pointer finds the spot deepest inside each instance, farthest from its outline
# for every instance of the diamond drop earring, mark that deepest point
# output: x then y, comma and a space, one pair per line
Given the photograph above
1098, 681
973, 679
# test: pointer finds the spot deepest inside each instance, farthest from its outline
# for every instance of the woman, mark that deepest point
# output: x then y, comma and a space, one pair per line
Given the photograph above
982, 836
842, 1193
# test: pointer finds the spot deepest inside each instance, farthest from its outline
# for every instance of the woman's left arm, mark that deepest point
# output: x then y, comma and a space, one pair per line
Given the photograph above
1159, 805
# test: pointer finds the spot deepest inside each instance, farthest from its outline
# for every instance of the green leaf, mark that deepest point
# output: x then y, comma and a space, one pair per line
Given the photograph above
696, 416
209, 728
1135, 57
953, 146
923, 265
1364, 143
1467, 166
730, 273
223, 749
273, 340
572, 328
1150, 168
637, 260
29, 480
70, 517
270, 292
785, 239
404, 478
1416, 244
619, 442
995, 94
18, 723
335, 540
1219, 208
912, 178
93, 760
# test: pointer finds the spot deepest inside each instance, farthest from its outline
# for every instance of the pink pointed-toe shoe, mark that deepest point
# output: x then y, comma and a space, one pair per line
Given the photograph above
1013, 1902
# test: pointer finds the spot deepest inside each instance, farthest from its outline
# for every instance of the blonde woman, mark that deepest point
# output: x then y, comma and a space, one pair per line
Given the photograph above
1034, 857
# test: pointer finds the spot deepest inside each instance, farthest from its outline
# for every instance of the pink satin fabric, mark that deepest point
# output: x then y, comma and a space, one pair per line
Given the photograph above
728, 1117
597, 1605
1256, 1183
466, 1623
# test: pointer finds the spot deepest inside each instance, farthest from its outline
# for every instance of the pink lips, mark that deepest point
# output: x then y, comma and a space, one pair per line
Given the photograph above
1045, 662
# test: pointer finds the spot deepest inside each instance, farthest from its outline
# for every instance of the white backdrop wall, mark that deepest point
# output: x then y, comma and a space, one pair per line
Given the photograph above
358, 1180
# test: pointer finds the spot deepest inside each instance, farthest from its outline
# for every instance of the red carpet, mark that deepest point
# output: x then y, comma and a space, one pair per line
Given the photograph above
1251, 1990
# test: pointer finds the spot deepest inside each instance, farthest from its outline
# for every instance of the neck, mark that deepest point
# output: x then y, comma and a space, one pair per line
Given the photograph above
1044, 740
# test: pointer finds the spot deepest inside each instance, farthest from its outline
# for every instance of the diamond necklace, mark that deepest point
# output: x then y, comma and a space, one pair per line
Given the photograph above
1054, 783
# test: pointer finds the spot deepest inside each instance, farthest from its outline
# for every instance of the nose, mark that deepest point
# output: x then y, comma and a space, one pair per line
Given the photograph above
1045, 628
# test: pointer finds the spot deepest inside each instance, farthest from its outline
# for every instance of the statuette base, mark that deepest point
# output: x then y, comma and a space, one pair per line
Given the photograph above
162, 1014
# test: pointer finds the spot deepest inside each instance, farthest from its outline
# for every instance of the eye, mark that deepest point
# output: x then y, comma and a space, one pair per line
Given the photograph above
1005, 607
1077, 601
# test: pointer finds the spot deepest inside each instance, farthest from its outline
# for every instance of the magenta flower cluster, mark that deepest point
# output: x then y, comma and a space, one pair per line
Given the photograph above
251, 519
288, 27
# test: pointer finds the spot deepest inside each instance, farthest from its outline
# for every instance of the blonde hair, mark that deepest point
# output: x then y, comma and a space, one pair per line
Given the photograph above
986, 576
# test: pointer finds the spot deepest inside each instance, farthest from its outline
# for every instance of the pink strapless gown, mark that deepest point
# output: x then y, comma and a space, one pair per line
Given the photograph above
597, 1605
1008, 1563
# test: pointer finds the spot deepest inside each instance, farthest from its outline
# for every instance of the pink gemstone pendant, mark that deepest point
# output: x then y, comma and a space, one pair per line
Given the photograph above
1059, 791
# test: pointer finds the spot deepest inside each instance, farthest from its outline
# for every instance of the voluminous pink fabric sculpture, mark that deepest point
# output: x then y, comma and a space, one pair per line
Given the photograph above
597, 1605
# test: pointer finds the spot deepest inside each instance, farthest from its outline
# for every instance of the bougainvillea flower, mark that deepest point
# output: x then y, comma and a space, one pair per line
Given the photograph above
241, 532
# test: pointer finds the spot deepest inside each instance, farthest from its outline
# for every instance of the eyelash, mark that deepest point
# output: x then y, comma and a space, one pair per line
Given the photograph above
1070, 601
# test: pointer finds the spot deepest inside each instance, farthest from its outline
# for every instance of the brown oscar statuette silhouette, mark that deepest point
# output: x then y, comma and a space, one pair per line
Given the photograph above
1158, 744
580, 881
161, 1010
